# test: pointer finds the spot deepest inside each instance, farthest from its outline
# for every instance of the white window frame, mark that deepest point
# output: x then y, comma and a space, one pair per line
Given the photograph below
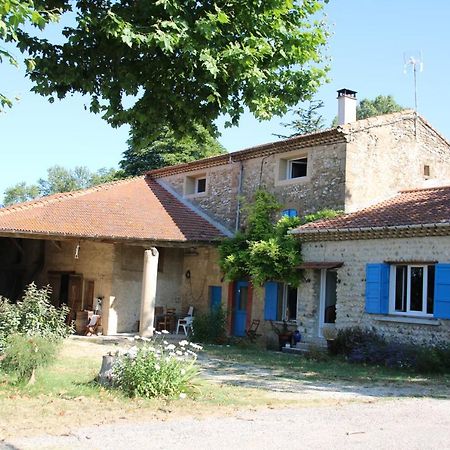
289, 168
284, 305
190, 188
393, 279
196, 191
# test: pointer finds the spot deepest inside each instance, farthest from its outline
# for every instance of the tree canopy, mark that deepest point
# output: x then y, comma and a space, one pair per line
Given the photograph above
168, 149
307, 119
173, 63
59, 179
14, 14
382, 104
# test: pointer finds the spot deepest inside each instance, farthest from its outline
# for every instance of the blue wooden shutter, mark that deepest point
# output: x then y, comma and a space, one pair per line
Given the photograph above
377, 288
215, 297
289, 213
442, 291
270, 300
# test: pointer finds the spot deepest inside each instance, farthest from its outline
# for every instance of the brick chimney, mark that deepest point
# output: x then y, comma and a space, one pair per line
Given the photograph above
346, 106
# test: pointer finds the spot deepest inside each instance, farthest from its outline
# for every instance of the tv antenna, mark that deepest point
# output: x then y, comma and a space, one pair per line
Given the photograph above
413, 61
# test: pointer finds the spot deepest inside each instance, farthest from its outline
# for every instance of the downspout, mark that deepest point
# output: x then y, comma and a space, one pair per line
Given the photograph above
239, 192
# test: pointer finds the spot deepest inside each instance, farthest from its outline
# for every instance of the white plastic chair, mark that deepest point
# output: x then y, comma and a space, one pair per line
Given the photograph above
186, 322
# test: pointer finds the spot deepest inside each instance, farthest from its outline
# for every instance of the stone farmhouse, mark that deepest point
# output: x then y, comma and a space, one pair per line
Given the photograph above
151, 240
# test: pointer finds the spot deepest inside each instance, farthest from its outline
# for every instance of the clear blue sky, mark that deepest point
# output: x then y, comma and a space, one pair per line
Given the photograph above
366, 50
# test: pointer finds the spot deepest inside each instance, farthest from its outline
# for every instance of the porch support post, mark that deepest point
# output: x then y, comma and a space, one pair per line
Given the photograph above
148, 296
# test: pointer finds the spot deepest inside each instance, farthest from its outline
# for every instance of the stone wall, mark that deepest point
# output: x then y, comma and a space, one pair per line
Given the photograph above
384, 158
200, 271
95, 262
322, 188
351, 284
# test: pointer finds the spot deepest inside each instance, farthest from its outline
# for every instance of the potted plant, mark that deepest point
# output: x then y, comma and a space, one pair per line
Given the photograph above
330, 334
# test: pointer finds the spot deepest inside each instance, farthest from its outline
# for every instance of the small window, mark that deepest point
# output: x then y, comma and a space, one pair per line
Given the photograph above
297, 168
289, 213
195, 185
426, 171
414, 289
200, 185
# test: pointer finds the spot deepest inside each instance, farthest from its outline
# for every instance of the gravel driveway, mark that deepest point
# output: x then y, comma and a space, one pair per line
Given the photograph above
380, 424
370, 416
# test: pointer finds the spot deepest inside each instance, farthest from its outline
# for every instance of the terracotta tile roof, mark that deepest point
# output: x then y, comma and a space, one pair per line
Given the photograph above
136, 209
411, 210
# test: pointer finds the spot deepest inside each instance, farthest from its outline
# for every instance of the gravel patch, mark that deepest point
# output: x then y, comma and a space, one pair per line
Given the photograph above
397, 423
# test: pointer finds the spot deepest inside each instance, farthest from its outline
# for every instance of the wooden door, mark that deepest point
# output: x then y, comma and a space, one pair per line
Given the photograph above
54, 280
88, 300
75, 295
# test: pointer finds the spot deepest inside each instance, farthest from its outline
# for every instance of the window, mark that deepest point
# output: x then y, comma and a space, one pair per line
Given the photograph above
200, 185
426, 171
194, 185
292, 168
408, 289
413, 289
280, 302
297, 168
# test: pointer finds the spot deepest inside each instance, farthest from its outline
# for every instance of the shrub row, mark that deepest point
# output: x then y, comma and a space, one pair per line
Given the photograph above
366, 346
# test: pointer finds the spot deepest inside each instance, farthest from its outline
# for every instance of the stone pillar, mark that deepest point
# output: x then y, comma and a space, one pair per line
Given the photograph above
109, 316
148, 296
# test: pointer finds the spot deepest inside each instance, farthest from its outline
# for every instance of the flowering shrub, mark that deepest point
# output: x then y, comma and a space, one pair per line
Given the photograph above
34, 315
157, 368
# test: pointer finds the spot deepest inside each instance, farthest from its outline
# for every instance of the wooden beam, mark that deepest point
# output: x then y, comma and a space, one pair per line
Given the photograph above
57, 244
17, 245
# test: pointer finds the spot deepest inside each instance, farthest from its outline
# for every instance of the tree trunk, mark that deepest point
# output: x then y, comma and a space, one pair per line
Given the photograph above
105, 377
32, 379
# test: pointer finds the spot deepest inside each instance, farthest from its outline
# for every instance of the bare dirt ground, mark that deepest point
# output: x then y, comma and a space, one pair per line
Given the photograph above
331, 414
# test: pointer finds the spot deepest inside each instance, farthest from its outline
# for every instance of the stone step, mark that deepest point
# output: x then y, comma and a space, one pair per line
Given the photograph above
305, 347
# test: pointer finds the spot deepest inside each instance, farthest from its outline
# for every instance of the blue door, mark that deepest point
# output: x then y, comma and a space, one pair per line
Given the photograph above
240, 301
215, 297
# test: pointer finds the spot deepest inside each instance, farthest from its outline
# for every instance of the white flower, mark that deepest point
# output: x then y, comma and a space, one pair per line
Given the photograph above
182, 395
165, 332
183, 342
165, 343
146, 339
196, 346
191, 353
157, 332
137, 337
157, 367
183, 371
151, 349
170, 346
179, 353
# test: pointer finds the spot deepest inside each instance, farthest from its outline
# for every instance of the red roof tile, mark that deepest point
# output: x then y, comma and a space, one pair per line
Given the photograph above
136, 208
409, 208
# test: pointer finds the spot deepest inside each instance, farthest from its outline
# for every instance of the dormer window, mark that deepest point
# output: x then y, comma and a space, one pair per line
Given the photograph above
195, 184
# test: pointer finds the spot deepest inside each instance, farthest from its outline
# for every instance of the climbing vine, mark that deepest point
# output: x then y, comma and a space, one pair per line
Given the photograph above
264, 250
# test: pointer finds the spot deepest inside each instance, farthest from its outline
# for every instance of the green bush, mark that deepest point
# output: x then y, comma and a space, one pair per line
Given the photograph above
157, 370
33, 316
210, 327
24, 354
348, 339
